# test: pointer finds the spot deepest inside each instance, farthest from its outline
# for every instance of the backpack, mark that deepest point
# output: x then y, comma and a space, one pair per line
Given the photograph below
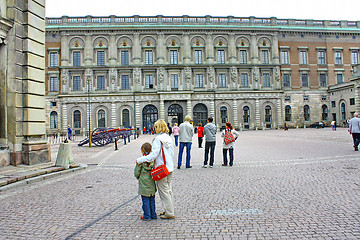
229, 137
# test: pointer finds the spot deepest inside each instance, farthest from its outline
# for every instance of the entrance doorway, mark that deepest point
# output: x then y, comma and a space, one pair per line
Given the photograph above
175, 113
150, 116
200, 114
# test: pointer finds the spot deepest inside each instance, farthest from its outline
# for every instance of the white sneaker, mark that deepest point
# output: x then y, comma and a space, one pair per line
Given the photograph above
205, 166
210, 166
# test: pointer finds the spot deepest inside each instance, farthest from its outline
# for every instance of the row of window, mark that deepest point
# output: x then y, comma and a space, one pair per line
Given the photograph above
321, 57
339, 78
198, 57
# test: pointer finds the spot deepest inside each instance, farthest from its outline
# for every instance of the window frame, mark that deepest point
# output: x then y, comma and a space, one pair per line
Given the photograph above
124, 57
149, 57
321, 57
77, 81
284, 57
149, 81
222, 80
174, 80
266, 81
53, 62
100, 82
221, 56
243, 55
100, 58
199, 81
76, 58
173, 57
53, 85
246, 80
303, 57
198, 56
125, 82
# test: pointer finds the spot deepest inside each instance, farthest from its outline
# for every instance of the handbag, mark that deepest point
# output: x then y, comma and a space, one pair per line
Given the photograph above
161, 171
229, 137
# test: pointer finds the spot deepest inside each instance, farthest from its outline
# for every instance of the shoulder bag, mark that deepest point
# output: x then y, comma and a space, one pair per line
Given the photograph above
161, 171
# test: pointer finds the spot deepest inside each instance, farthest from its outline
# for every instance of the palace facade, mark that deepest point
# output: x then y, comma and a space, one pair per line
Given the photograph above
257, 73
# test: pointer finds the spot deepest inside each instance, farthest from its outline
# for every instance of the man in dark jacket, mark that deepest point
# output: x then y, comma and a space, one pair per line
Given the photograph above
210, 141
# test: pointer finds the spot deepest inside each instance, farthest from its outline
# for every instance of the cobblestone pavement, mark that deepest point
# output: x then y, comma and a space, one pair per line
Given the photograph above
300, 184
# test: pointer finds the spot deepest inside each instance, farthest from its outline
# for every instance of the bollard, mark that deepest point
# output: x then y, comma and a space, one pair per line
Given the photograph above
64, 157
124, 140
116, 146
129, 138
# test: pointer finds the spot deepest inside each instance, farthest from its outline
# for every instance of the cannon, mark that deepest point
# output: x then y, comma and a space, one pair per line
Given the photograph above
104, 136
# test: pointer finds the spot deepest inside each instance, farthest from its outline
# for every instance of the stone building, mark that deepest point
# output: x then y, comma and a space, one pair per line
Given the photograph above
22, 83
257, 73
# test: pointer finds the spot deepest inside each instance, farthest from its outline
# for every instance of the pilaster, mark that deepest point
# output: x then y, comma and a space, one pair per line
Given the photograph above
275, 49
64, 50
88, 50
189, 108
138, 115
64, 117
136, 49
235, 114
161, 49
186, 51
112, 50
257, 113
113, 115
254, 53
209, 49
279, 113
232, 48
162, 108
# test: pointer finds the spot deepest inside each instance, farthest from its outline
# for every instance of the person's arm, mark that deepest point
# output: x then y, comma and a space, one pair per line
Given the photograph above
236, 134
137, 171
155, 151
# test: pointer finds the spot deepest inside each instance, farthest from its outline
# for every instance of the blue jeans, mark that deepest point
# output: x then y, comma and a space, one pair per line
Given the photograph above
176, 140
188, 156
148, 207
209, 146
231, 153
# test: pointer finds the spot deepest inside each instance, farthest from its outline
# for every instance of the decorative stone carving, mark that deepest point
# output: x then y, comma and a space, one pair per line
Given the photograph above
210, 77
113, 78
277, 77
88, 79
65, 80
161, 74
187, 77
137, 79
256, 77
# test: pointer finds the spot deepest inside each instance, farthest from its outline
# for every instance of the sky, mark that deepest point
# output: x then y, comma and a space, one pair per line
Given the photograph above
299, 9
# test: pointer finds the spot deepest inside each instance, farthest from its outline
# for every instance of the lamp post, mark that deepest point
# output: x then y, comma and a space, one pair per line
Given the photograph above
89, 127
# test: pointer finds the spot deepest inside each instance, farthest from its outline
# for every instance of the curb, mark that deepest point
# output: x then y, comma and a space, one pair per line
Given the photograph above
38, 178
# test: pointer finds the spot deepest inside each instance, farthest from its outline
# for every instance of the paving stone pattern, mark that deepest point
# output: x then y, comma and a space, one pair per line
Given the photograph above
300, 184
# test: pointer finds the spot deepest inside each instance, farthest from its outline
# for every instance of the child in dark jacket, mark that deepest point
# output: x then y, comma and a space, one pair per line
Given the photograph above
147, 187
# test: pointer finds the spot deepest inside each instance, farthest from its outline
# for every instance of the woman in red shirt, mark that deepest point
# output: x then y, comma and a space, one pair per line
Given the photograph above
200, 134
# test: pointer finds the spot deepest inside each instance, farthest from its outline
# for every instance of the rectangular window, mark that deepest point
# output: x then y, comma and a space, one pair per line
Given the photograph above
265, 56
100, 82
352, 101
284, 57
244, 80
148, 57
333, 104
303, 57
53, 84
339, 78
76, 58
321, 57
198, 57
173, 57
125, 82
304, 80
221, 57
125, 58
76, 83
174, 81
338, 57
322, 80
149, 81
222, 80
266, 79
199, 81
53, 59
286, 80
243, 57
52, 104
354, 57
100, 56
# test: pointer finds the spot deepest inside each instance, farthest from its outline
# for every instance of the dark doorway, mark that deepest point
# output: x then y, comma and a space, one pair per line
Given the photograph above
200, 114
175, 111
150, 116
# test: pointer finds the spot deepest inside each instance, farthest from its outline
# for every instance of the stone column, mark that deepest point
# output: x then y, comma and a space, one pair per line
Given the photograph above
64, 118
137, 49
254, 53
279, 113
186, 50
162, 108
64, 50
112, 50
232, 49
235, 112
161, 49
212, 109
357, 95
88, 50
275, 49
209, 49
89, 118
138, 115
113, 115
189, 108
257, 113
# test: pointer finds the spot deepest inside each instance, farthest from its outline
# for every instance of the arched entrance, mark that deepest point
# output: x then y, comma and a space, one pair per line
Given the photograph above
175, 113
150, 116
200, 114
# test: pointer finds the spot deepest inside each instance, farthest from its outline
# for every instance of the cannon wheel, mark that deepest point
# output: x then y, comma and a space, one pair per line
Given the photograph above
100, 137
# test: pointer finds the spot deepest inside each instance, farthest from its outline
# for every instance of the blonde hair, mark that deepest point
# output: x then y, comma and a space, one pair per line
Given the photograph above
160, 126
175, 124
187, 118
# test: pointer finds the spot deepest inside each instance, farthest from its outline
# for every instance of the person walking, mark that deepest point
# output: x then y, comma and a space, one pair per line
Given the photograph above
229, 145
354, 130
69, 132
175, 130
147, 186
200, 135
186, 132
162, 142
170, 129
210, 142
333, 125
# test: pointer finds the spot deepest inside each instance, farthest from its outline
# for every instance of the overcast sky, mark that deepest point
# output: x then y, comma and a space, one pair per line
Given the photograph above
299, 9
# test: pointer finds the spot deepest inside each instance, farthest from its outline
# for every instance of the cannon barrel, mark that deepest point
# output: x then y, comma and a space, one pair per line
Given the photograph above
104, 136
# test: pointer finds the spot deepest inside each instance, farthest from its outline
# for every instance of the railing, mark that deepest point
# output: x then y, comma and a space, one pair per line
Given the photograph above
230, 20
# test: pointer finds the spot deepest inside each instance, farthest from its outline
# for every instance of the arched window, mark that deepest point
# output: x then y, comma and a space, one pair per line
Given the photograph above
343, 111
306, 113
287, 113
223, 114
200, 114
126, 118
246, 114
53, 120
101, 118
77, 119
150, 116
324, 112
268, 114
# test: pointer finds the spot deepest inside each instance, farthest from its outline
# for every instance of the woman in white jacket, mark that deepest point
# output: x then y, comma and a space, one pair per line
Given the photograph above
229, 146
163, 141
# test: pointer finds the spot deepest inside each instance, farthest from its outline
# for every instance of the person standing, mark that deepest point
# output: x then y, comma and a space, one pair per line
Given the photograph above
200, 135
210, 142
354, 130
333, 125
69, 132
175, 130
162, 142
230, 146
170, 130
186, 132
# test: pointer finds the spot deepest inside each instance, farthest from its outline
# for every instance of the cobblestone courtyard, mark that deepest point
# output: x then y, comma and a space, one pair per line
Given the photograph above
300, 184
